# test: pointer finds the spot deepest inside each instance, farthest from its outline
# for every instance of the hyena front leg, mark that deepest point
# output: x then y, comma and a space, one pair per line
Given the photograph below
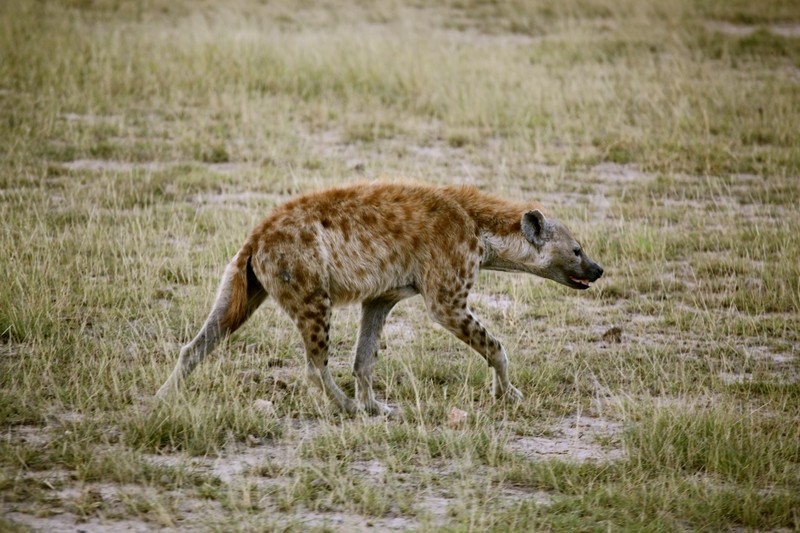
449, 308
313, 321
373, 316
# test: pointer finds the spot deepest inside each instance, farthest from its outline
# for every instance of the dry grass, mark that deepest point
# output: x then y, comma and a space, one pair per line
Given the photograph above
140, 141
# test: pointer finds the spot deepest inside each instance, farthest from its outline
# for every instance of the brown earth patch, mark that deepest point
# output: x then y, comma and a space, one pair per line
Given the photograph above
574, 439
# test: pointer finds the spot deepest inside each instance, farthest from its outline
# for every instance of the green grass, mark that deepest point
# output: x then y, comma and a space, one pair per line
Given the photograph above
140, 142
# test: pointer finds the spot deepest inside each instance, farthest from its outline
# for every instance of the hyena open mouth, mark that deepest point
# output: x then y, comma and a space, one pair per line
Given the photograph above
581, 283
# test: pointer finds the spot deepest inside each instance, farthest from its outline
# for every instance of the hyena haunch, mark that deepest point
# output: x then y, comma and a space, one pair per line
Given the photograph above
378, 244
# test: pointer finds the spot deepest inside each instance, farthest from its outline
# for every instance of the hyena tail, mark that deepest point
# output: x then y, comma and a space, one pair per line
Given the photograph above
239, 294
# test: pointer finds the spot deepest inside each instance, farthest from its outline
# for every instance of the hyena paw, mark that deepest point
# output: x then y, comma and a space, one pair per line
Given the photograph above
374, 408
344, 404
511, 393
349, 406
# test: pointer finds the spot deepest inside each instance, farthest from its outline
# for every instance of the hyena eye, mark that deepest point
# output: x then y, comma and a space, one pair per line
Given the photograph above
577, 252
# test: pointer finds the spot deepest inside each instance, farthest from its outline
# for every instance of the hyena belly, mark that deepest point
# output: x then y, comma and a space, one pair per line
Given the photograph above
367, 266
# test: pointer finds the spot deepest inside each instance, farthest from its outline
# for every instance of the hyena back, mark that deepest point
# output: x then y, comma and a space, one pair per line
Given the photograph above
378, 244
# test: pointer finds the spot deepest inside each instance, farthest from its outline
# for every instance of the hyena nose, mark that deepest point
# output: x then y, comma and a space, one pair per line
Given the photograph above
598, 271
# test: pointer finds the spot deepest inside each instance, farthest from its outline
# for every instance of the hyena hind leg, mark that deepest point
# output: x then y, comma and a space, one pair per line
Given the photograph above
238, 296
373, 316
313, 322
191, 354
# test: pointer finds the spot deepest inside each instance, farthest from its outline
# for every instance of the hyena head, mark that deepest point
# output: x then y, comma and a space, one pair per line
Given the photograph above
556, 255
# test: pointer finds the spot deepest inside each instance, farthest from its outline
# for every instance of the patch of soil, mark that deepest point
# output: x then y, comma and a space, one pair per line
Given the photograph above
575, 439
69, 523
105, 165
732, 378
245, 197
435, 506
778, 368
102, 165
33, 435
615, 173
765, 353
539, 497
398, 329
371, 469
742, 30
91, 119
354, 522
235, 464
500, 302
102, 506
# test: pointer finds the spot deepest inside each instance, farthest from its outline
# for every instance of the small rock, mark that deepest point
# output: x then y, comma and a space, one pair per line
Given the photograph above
613, 335
265, 406
456, 418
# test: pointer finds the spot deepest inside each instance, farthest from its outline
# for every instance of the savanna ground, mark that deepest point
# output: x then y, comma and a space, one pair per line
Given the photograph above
141, 141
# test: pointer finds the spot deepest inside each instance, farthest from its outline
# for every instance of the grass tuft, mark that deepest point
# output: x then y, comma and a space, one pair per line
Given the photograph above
196, 428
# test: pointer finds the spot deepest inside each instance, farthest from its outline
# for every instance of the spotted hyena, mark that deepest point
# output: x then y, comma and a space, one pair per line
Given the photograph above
378, 244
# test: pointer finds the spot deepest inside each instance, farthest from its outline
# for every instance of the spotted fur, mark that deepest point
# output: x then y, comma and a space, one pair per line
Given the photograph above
378, 244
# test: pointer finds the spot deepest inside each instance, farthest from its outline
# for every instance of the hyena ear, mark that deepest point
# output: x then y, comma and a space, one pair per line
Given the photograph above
533, 227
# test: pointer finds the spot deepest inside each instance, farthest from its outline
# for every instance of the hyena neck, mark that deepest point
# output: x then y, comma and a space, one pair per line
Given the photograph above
492, 215
499, 224
508, 253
